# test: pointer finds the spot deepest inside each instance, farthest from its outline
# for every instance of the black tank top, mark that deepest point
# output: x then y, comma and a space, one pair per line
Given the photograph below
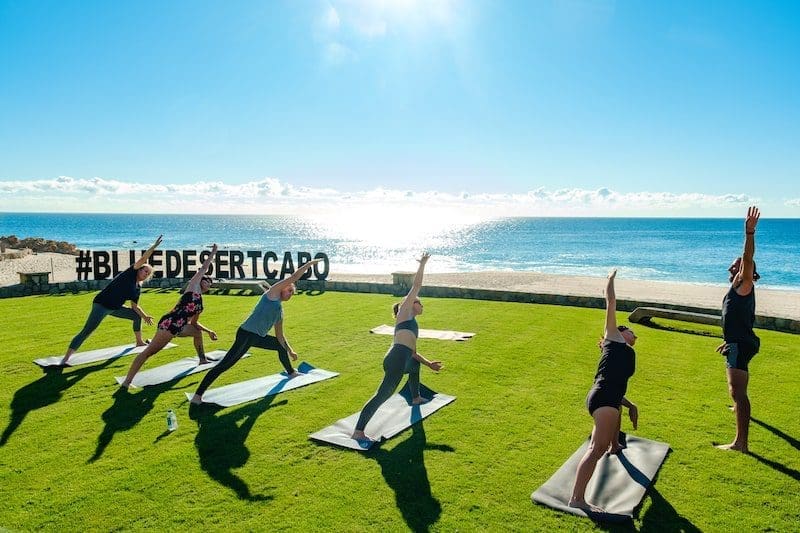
738, 317
617, 363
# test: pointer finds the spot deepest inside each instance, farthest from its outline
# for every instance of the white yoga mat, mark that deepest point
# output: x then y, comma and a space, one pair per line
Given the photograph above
92, 356
383, 329
258, 388
618, 484
395, 415
174, 370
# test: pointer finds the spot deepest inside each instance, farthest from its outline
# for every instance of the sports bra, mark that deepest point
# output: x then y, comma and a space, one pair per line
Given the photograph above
410, 325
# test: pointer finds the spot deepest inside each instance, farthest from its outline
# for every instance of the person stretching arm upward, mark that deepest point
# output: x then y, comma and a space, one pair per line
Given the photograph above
402, 357
607, 395
267, 313
110, 301
181, 321
741, 343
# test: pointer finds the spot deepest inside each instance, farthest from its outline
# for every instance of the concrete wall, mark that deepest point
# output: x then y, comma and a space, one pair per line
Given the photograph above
400, 289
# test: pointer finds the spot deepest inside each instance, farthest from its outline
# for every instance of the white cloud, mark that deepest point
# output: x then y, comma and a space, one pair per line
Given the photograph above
270, 195
335, 53
372, 19
330, 18
343, 26
794, 202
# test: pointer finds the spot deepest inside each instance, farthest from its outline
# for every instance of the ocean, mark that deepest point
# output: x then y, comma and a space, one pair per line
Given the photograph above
665, 249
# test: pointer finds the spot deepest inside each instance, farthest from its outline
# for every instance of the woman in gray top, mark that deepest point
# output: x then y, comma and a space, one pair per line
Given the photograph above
267, 313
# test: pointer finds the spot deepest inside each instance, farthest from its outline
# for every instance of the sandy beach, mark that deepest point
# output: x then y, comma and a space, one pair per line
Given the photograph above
770, 302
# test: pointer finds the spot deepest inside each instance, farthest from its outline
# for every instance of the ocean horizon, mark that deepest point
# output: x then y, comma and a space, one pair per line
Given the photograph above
693, 250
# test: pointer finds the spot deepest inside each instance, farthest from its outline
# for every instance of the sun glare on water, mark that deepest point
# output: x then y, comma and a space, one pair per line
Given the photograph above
385, 238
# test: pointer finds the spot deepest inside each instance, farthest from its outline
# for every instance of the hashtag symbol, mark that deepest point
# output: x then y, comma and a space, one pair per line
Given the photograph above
84, 261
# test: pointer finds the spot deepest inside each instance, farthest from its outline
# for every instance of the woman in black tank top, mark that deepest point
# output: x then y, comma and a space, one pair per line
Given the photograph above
607, 396
741, 343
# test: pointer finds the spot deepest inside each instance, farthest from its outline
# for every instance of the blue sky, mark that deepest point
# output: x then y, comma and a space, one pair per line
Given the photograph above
525, 108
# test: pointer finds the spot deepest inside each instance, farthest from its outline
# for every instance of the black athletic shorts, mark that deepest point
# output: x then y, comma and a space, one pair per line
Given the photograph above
605, 395
737, 355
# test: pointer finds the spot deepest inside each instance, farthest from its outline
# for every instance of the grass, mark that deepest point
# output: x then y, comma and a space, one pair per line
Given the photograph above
75, 456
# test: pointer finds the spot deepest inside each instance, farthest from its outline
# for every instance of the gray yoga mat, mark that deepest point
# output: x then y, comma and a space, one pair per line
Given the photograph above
174, 370
92, 356
395, 415
443, 335
617, 486
258, 388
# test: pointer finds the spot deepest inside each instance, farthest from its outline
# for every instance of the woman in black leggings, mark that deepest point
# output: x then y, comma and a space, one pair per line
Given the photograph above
607, 395
402, 357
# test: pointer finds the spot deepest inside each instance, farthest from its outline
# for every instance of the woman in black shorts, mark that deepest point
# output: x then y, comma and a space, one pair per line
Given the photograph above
607, 396
181, 321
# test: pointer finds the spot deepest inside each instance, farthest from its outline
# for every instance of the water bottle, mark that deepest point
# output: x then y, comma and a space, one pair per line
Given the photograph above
172, 421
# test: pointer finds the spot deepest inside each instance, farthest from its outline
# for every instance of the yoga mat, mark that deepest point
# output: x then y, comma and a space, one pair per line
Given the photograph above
395, 415
174, 370
258, 388
617, 486
92, 356
383, 329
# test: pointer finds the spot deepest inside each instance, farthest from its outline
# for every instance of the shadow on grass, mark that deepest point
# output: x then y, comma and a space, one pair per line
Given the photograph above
777, 432
662, 516
220, 442
404, 470
783, 469
128, 409
679, 329
44, 391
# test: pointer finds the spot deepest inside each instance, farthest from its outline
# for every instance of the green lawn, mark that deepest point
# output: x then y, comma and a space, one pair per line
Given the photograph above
75, 456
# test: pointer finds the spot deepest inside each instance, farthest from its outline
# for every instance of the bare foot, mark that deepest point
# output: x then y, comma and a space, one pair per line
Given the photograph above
197, 400
295, 374
732, 447
361, 436
125, 385
584, 506
143, 343
419, 400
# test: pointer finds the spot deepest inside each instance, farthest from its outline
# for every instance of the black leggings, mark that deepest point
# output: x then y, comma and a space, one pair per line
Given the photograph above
398, 361
97, 314
244, 340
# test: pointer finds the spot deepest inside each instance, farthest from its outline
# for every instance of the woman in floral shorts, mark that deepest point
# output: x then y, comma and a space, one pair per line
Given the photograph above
182, 321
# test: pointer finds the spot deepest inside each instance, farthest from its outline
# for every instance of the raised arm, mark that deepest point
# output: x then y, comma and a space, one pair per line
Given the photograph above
194, 282
611, 331
275, 291
146, 255
408, 301
748, 266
